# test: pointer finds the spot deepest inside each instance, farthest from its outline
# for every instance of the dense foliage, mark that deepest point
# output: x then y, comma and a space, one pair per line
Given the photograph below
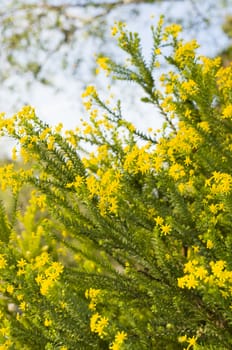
125, 240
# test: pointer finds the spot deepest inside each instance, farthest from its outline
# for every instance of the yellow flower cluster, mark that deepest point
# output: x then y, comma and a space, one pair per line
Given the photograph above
165, 229
26, 113
194, 273
210, 64
106, 186
191, 341
21, 264
93, 295
185, 52
49, 277
219, 183
117, 28
77, 183
7, 344
176, 171
183, 143
173, 30
3, 261
170, 82
224, 81
89, 91
98, 324
138, 159
188, 89
9, 178
227, 112
103, 64
215, 275
40, 201
118, 341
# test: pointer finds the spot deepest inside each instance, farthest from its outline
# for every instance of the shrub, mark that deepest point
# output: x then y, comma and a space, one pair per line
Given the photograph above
127, 245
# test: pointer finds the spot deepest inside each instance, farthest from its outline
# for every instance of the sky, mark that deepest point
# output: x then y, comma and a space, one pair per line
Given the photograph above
62, 103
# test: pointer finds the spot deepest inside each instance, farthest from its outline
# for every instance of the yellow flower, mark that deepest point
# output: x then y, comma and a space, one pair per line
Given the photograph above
51, 142
3, 261
120, 337
195, 248
92, 305
157, 51
93, 321
14, 153
188, 87
63, 305
185, 52
102, 62
224, 81
47, 322
46, 284
191, 282
159, 220
7, 345
78, 181
20, 297
5, 331
182, 339
209, 64
92, 293
10, 288
92, 185
98, 324
187, 160
113, 346
89, 91
114, 30
173, 29
41, 260
59, 127
221, 183
88, 130
190, 266
23, 306
44, 134
192, 342
227, 112
21, 263
21, 272
201, 272
213, 208
204, 126
176, 171
166, 229
161, 21
54, 270
209, 244
113, 208
217, 267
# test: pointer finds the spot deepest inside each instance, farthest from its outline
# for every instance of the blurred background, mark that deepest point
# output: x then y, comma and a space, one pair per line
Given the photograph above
48, 50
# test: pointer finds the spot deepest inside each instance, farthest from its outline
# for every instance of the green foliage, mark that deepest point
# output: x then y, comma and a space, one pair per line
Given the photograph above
127, 245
